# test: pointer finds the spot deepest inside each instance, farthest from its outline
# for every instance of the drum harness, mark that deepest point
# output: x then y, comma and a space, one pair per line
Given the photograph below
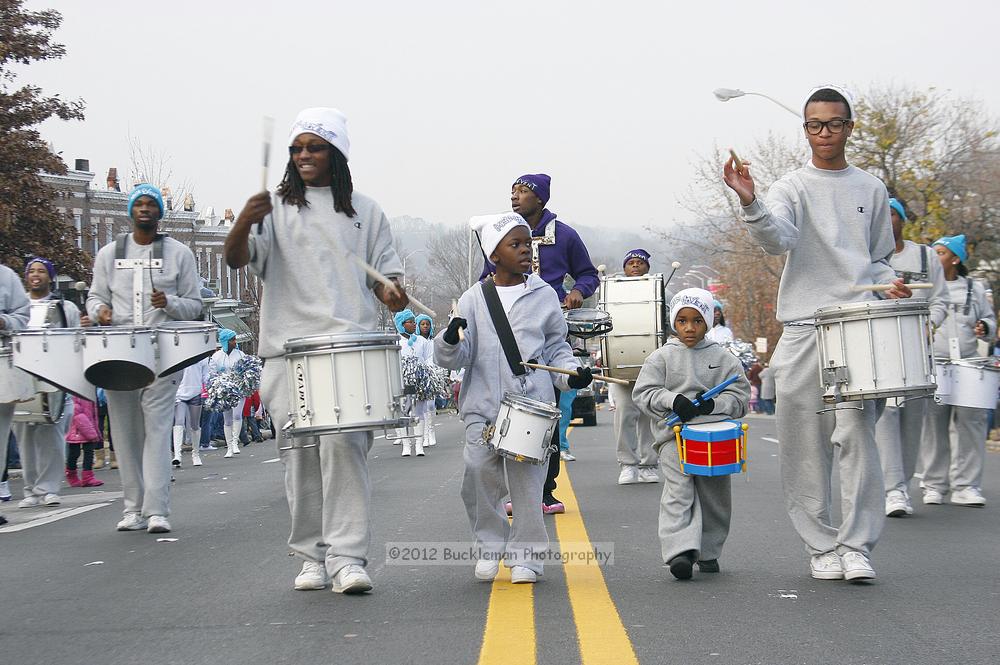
136, 265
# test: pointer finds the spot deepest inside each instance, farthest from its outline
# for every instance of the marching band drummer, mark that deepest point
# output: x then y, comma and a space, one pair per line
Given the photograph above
955, 463
14, 309
308, 225
832, 221
42, 445
141, 420
901, 425
633, 428
539, 330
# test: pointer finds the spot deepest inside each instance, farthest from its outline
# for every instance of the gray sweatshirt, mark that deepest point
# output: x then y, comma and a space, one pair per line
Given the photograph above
909, 261
13, 301
961, 324
539, 328
836, 230
178, 279
675, 369
310, 286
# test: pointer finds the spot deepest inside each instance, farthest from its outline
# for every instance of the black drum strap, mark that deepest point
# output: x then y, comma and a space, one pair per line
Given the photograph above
502, 326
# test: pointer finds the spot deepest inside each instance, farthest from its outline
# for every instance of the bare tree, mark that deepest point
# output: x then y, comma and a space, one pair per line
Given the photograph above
153, 166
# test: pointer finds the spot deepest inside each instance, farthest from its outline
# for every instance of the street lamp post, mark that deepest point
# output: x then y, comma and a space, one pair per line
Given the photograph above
725, 94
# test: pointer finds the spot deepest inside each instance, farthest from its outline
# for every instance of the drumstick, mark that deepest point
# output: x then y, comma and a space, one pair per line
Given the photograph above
569, 372
389, 284
455, 313
708, 394
737, 162
886, 287
267, 126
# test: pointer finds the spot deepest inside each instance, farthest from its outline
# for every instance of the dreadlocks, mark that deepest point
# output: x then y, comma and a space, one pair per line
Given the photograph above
293, 190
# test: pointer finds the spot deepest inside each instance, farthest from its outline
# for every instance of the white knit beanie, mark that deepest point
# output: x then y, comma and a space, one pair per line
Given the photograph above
493, 228
700, 299
327, 123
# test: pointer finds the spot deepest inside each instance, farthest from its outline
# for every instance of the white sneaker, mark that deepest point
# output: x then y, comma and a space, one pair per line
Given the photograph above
312, 576
487, 569
351, 579
857, 567
158, 524
826, 566
522, 575
648, 475
407, 448
567, 456
418, 448
229, 450
629, 475
897, 504
195, 457
132, 522
933, 497
970, 496
52, 500
29, 502
5, 494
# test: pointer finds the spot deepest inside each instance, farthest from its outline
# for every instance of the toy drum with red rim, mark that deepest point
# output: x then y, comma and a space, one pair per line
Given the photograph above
712, 449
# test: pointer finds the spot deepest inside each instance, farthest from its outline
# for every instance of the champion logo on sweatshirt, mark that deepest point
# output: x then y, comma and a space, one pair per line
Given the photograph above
861, 209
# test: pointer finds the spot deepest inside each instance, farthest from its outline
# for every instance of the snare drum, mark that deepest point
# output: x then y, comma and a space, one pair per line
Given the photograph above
636, 305
872, 350
15, 384
55, 356
970, 382
523, 430
120, 357
712, 449
586, 323
349, 382
180, 344
45, 314
42, 409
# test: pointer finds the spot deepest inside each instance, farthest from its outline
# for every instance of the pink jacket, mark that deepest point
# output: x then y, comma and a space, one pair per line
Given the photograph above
83, 428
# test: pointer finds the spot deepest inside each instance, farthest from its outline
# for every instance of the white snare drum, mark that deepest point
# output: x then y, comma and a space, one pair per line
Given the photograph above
872, 350
636, 305
15, 383
586, 323
523, 430
180, 344
348, 382
971, 382
55, 356
42, 409
45, 314
120, 357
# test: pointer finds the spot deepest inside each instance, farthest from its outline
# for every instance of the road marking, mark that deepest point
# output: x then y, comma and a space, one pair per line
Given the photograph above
52, 517
271, 461
767, 438
509, 636
599, 629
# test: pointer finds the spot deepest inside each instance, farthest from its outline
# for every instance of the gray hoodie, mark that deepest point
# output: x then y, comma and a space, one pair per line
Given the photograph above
675, 369
14, 306
540, 331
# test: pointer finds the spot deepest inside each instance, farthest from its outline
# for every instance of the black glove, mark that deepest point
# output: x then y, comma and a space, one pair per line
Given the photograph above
451, 334
707, 406
585, 376
684, 409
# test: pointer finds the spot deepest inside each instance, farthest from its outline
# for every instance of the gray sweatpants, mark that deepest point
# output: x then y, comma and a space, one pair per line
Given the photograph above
695, 511
6, 418
897, 434
521, 541
633, 434
326, 485
954, 462
806, 450
141, 421
43, 457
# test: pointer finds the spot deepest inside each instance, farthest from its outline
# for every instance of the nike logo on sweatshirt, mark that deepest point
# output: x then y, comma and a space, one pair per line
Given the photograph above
714, 366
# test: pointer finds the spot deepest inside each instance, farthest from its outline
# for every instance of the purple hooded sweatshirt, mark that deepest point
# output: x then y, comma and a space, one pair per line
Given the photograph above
569, 256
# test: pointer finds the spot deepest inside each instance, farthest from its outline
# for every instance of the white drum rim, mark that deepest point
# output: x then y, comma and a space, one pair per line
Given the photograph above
972, 363
870, 309
366, 426
116, 330
518, 457
177, 326
298, 345
717, 426
530, 405
860, 395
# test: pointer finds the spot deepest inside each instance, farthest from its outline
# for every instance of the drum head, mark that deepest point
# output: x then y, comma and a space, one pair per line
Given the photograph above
119, 375
586, 323
184, 364
529, 405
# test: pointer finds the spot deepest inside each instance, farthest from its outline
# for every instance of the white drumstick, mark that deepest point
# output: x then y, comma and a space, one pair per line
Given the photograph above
569, 372
389, 284
268, 131
455, 313
887, 287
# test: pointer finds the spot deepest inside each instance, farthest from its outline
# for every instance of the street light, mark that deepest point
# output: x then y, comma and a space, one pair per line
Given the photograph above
710, 269
725, 94
701, 277
408, 256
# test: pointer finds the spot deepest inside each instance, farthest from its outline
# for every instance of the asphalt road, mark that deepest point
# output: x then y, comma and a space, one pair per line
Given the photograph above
221, 592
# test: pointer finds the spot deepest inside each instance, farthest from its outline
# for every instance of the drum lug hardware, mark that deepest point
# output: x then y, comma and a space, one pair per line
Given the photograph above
368, 409
504, 427
336, 412
488, 432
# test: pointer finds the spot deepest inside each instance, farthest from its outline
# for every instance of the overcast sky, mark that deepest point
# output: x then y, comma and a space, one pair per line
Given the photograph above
447, 102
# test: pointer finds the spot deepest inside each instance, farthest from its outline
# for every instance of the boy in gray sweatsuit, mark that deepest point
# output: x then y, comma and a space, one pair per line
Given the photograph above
539, 329
694, 510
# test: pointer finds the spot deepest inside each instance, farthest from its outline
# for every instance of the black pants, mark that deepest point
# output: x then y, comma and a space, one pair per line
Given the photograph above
554, 461
102, 419
73, 454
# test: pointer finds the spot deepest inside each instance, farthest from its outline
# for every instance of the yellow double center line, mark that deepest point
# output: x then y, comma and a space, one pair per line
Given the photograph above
509, 636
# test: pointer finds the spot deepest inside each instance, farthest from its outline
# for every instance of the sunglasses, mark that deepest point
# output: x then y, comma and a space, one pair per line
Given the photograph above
312, 148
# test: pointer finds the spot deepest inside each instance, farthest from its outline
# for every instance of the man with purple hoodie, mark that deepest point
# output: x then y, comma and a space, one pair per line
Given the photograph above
556, 251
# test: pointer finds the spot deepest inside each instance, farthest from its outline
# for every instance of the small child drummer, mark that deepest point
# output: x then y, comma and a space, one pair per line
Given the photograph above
694, 510
539, 330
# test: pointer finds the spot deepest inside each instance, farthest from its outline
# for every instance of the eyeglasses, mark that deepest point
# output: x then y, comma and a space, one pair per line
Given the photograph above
312, 148
835, 126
